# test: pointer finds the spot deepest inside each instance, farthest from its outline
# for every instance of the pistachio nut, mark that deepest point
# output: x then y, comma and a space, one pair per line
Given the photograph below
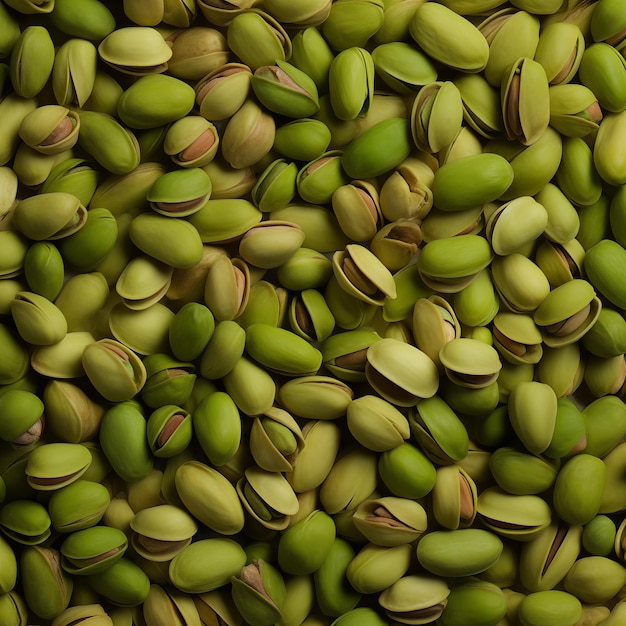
340, 29
136, 50
454, 497
350, 78
33, 49
25, 522
474, 600
374, 568
579, 180
476, 371
520, 473
91, 20
55, 465
161, 532
124, 583
393, 467
79, 505
50, 129
258, 592
22, 417
92, 550
250, 386
562, 607
403, 67
440, 551
574, 110
180, 193
222, 91
415, 599
602, 70
169, 430
310, 316
560, 50
594, 579
228, 341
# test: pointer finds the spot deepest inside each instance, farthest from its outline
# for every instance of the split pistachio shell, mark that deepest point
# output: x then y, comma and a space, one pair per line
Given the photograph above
454, 498
55, 465
34, 49
376, 424
124, 49
93, 550
475, 371
79, 505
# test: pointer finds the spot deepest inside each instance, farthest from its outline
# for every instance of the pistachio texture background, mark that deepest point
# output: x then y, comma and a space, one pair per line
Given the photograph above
312, 312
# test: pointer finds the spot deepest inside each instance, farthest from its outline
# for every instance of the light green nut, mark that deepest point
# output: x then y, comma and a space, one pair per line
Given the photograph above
318, 180
92, 550
560, 50
50, 129
191, 141
78, 505
276, 186
41, 568
436, 116
125, 50
9, 573
91, 20
606, 149
600, 535
191, 330
75, 73
55, 465
396, 243
455, 553
209, 497
357, 209
221, 92
169, 430
14, 109
376, 424
223, 350
577, 177
22, 413
38, 321
595, 579
520, 473
294, 554
180, 193
574, 110
33, 49
258, 592
375, 567
470, 363
352, 23
270, 243
350, 78
558, 607
302, 139
403, 67
518, 295
459, 44
310, 317
250, 386
602, 71
9, 34
312, 54
75, 176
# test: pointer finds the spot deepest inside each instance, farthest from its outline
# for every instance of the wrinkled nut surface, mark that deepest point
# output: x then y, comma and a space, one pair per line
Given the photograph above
312, 310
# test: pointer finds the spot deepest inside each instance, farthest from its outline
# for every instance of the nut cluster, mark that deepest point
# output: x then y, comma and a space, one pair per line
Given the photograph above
312, 312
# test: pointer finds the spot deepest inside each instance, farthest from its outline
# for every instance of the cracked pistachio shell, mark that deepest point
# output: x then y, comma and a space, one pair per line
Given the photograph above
557, 607
315, 397
390, 521
123, 584
258, 592
415, 599
285, 90
270, 243
221, 93
317, 456
172, 241
191, 141
440, 433
145, 331
227, 288
276, 186
574, 110
21, 414
250, 386
454, 497
282, 351
88, 247
135, 50
532, 411
349, 312
344, 354
275, 440
124, 442
143, 282
50, 129
434, 323
449, 38
34, 50
515, 225
546, 559
351, 480
525, 101
55, 465
357, 210
389, 372
520, 473
470, 363
436, 116
223, 350
41, 569
351, 78
563, 220
352, 22
75, 176
114, 370
13, 109
511, 34
92, 550
391, 137
481, 105
403, 67
216, 13
360, 274
375, 567
180, 193
294, 554
217, 427
520, 517
209, 497
376, 424
267, 497
25, 521
310, 317
155, 100
248, 136
396, 243
471, 182
267, 304
196, 51
78, 505
578, 489
567, 313
317, 181
519, 295
451, 263
38, 321
560, 50
258, 39
169, 430
49, 216
455, 553
64, 358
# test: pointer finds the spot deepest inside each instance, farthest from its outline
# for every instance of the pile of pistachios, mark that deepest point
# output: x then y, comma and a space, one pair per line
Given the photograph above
312, 312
